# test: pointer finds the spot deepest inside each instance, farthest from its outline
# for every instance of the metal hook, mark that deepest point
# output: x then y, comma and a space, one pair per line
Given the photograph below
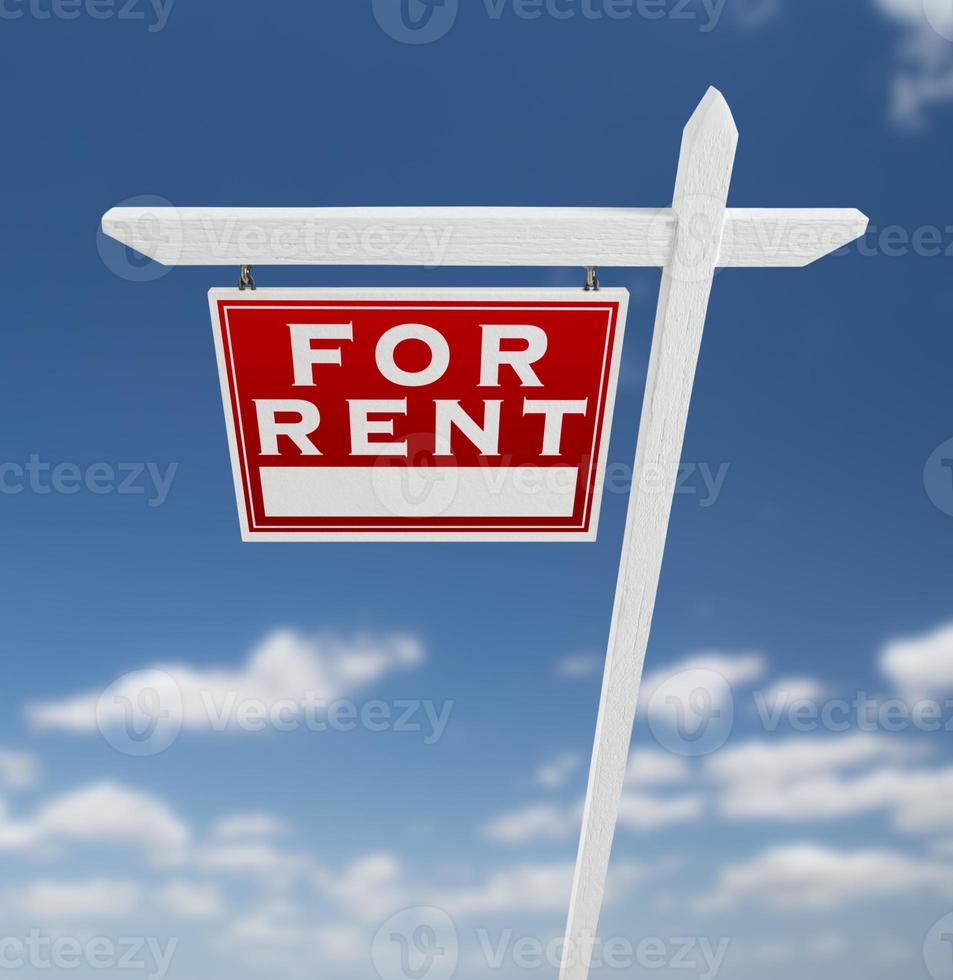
245, 279
592, 279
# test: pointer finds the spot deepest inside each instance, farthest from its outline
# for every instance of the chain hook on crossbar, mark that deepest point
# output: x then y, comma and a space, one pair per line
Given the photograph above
245, 279
592, 279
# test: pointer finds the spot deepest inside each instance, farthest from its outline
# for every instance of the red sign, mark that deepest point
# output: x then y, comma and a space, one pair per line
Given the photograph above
418, 415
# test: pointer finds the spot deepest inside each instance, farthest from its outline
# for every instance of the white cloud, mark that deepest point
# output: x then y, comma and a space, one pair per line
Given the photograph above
922, 71
821, 946
525, 887
580, 666
690, 705
923, 76
641, 812
375, 887
109, 814
287, 667
271, 924
244, 825
103, 813
782, 760
342, 944
272, 866
920, 666
733, 669
816, 778
908, 11
188, 900
282, 937
652, 767
556, 773
541, 822
789, 690
810, 877
370, 889
59, 901
921, 802
18, 770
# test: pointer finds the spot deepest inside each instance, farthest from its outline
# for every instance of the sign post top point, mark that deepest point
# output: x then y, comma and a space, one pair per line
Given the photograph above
712, 114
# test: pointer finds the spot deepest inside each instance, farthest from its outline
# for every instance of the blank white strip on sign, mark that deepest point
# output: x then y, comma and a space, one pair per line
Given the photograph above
419, 491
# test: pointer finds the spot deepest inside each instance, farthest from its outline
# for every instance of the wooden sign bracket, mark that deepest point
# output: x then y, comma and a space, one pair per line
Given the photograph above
688, 240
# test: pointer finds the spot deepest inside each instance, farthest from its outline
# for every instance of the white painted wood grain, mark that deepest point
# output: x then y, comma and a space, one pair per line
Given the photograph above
434, 237
701, 190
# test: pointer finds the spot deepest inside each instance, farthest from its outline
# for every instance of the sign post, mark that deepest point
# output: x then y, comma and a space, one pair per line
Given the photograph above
701, 192
689, 241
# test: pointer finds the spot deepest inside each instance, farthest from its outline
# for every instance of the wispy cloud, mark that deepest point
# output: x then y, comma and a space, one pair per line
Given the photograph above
809, 779
923, 69
544, 821
102, 813
682, 678
920, 666
809, 876
272, 866
788, 690
641, 812
580, 666
18, 770
250, 825
191, 900
782, 760
556, 773
655, 767
286, 668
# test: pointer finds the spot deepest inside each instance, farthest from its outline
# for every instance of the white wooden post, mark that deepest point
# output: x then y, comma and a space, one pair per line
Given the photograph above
701, 191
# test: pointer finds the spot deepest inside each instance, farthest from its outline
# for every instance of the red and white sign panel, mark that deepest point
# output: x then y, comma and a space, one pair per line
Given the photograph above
418, 415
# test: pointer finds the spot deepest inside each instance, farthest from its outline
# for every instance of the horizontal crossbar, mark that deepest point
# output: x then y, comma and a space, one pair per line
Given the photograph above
434, 237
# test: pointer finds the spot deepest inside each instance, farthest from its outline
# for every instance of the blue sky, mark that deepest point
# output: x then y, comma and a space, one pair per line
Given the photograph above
821, 568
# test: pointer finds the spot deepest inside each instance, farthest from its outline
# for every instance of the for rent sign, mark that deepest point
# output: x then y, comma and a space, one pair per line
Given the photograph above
418, 415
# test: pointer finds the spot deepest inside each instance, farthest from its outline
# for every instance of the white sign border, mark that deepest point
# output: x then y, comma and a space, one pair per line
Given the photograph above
415, 296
